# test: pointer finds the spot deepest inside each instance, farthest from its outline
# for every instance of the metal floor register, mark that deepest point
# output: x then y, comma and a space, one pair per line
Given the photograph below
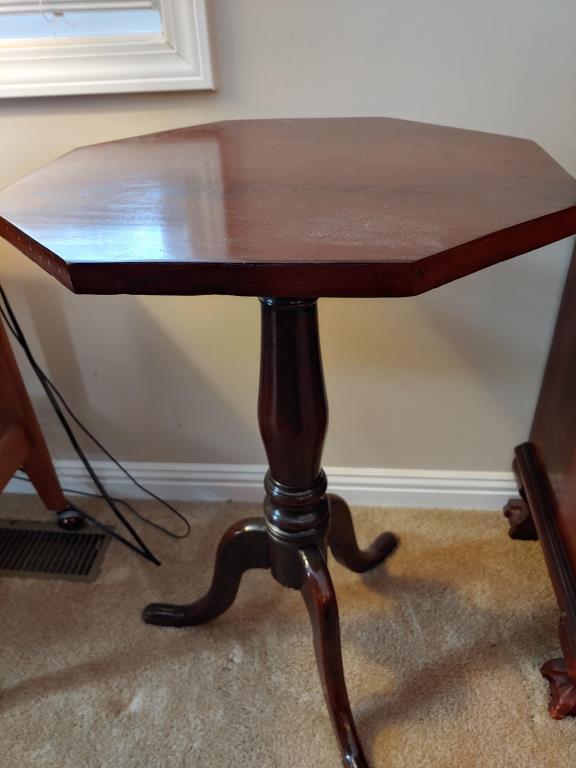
44, 551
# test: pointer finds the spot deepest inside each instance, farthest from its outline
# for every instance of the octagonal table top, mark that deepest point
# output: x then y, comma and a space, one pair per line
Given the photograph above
305, 207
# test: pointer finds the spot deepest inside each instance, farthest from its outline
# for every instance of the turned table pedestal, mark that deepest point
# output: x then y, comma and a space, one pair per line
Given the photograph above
290, 211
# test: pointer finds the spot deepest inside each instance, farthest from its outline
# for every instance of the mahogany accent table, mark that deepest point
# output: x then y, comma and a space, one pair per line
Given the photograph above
290, 210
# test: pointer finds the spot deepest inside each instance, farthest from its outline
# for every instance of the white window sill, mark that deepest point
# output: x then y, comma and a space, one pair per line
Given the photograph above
177, 59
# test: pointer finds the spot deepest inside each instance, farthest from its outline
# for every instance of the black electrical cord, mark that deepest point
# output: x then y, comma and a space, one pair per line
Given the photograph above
77, 492
112, 458
15, 328
54, 397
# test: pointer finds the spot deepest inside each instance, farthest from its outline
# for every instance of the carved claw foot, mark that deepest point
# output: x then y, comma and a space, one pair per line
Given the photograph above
318, 593
562, 689
343, 544
520, 520
243, 546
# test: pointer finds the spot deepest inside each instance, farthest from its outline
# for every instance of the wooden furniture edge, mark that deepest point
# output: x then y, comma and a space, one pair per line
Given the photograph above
537, 493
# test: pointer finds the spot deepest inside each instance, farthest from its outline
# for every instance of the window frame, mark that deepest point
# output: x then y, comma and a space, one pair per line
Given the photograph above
177, 59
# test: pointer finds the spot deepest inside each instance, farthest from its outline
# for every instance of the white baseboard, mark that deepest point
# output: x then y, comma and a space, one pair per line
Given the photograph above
243, 482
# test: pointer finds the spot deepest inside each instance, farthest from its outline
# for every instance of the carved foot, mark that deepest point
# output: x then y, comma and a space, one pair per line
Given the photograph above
343, 544
520, 520
318, 594
562, 689
243, 546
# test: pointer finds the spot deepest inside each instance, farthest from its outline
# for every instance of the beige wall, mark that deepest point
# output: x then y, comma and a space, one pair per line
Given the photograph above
447, 380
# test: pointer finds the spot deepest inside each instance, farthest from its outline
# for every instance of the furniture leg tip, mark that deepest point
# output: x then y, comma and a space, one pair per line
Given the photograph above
384, 546
393, 543
562, 689
164, 615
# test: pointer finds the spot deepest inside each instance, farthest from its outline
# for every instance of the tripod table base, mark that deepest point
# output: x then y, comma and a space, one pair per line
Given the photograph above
249, 544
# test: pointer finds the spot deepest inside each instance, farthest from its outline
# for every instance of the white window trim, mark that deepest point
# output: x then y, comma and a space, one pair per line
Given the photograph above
178, 59
49, 6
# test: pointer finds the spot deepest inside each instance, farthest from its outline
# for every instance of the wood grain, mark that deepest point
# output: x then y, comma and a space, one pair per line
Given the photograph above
546, 470
22, 443
554, 426
310, 207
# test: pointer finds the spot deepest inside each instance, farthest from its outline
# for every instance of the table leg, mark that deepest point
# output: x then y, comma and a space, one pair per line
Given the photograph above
342, 540
562, 688
320, 598
300, 520
243, 546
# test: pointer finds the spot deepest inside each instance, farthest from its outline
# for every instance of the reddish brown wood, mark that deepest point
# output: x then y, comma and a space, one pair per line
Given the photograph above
546, 470
292, 539
312, 207
554, 427
283, 208
544, 512
293, 417
320, 598
14, 448
22, 443
292, 407
243, 546
562, 689
343, 544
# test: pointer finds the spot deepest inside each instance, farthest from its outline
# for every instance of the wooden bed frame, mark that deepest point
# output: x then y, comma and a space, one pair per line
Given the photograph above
545, 468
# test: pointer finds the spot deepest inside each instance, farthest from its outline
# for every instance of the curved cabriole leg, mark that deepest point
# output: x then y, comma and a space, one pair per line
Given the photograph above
343, 544
243, 546
320, 600
562, 689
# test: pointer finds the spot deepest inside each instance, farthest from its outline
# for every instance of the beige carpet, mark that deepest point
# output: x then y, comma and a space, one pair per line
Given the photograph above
441, 650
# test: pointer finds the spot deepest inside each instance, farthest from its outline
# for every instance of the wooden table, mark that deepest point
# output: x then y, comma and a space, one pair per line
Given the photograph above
290, 210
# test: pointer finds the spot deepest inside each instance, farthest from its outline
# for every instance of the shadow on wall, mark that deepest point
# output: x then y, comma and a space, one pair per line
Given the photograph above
501, 321
126, 379
175, 379
483, 317
445, 379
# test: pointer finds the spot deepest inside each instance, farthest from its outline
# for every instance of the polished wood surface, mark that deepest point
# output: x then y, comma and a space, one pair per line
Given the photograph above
292, 406
554, 427
562, 688
310, 207
22, 444
300, 520
546, 470
343, 544
320, 599
290, 208
244, 546
536, 488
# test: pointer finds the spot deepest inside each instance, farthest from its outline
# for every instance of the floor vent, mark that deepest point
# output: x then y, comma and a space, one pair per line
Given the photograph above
44, 551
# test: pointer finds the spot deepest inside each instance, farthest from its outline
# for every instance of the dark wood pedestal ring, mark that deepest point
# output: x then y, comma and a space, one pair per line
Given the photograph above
301, 521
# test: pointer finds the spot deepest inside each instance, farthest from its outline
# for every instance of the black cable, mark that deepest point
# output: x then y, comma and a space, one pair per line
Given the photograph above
54, 396
112, 458
15, 328
107, 453
77, 492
